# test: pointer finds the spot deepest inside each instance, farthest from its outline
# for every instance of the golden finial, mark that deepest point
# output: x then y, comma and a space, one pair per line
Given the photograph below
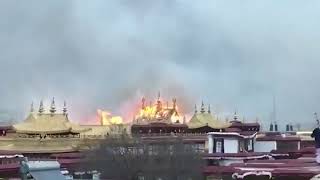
31, 108
174, 101
53, 106
202, 108
235, 116
41, 109
64, 110
143, 103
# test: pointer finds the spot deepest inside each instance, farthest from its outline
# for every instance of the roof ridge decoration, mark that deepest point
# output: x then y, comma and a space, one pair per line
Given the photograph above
195, 109
235, 116
65, 110
202, 108
32, 108
143, 101
209, 109
53, 106
174, 101
41, 108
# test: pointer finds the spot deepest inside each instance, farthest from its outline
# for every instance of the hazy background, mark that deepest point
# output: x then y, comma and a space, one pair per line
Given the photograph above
107, 54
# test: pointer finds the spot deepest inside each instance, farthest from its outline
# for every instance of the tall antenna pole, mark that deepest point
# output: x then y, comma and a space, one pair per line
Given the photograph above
274, 109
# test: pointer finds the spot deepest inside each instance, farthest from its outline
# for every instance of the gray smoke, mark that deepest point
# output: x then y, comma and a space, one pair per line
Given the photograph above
107, 54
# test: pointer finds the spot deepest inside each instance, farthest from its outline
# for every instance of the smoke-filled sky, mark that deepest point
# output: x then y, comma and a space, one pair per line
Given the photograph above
235, 55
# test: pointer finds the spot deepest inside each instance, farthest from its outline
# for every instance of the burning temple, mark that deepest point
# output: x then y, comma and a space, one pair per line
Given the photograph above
158, 112
158, 119
46, 132
233, 148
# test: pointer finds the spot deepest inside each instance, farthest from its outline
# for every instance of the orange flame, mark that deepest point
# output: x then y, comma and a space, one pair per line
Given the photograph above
106, 118
148, 112
157, 111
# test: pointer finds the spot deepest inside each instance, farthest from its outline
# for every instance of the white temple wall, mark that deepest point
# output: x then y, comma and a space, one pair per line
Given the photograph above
210, 144
227, 162
265, 146
231, 145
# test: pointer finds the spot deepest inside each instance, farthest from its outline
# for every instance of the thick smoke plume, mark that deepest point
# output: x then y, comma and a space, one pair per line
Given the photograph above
107, 54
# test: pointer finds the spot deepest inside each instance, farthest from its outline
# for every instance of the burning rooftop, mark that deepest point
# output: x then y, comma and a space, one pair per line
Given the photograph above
157, 112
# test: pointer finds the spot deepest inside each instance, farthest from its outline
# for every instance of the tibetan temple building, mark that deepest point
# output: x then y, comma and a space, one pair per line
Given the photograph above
231, 148
204, 122
157, 119
48, 124
51, 132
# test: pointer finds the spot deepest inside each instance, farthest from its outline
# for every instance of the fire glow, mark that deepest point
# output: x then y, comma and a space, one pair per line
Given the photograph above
156, 112
106, 118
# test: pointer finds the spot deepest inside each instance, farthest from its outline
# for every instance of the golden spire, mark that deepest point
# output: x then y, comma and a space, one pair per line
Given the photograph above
143, 103
53, 106
64, 110
235, 116
209, 109
41, 109
202, 108
195, 109
174, 101
31, 108
159, 104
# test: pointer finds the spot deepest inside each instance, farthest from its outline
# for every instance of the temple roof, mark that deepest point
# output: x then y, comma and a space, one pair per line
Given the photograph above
48, 123
203, 119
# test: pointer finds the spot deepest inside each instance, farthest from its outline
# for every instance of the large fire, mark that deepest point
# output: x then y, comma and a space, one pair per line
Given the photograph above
106, 118
156, 112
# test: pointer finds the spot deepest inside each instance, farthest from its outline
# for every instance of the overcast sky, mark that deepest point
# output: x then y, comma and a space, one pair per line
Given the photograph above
107, 54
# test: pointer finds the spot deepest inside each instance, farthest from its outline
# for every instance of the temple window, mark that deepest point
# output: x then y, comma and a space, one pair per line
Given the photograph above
242, 146
249, 145
218, 145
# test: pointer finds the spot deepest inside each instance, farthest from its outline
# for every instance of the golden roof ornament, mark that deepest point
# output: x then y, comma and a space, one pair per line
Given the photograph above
31, 108
159, 104
53, 106
143, 101
202, 108
174, 101
64, 110
235, 116
195, 109
209, 109
41, 108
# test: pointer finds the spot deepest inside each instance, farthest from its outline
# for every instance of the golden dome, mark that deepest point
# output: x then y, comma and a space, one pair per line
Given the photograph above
203, 119
48, 124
